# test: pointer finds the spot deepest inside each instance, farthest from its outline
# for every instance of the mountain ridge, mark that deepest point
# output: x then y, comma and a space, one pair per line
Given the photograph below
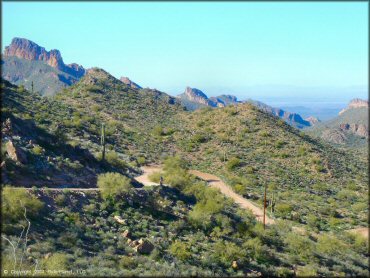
29, 50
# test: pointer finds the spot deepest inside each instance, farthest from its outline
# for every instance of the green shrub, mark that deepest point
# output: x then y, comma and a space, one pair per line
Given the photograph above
14, 202
158, 131
241, 189
180, 250
113, 184
37, 150
233, 163
284, 209
299, 246
330, 245
155, 177
227, 252
60, 200
141, 160
113, 159
57, 262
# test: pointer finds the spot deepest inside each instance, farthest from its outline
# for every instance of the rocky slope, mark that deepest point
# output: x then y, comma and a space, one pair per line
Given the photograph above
311, 184
26, 63
130, 83
349, 128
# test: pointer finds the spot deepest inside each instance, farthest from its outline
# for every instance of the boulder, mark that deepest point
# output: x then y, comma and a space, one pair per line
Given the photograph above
126, 234
15, 153
134, 243
119, 220
144, 247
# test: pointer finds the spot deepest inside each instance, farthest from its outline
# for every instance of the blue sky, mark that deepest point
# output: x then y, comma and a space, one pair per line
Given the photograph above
237, 47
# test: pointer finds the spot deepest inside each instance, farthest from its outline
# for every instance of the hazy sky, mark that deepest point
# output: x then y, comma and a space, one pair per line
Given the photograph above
218, 47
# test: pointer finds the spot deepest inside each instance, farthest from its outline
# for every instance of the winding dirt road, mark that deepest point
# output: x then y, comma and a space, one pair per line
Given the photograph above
214, 182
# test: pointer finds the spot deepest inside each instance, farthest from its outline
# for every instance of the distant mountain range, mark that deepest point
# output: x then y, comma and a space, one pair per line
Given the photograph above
26, 63
194, 99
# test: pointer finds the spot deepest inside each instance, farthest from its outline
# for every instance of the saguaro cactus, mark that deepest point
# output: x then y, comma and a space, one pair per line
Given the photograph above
102, 140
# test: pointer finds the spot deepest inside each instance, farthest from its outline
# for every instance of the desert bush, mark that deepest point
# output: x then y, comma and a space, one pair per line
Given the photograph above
113, 184
233, 163
14, 201
141, 160
227, 252
113, 159
180, 250
330, 245
57, 262
155, 177
301, 247
37, 150
283, 209
60, 199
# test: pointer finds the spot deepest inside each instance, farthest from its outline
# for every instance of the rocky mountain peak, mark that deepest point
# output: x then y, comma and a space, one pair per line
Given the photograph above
312, 120
130, 83
29, 50
26, 49
194, 93
355, 103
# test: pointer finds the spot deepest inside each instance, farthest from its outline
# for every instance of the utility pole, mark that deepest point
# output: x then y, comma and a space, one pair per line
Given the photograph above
264, 208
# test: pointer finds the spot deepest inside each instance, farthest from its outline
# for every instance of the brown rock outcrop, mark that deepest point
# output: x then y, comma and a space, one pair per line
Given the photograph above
355, 103
130, 83
357, 129
144, 247
15, 153
26, 49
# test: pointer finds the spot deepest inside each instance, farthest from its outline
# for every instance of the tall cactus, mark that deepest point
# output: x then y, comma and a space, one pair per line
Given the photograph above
273, 202
102, 140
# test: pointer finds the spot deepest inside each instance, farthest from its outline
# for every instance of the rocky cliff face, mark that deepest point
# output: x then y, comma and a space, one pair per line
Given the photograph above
198, 96
28, 50
130, 83
357, 129
355, 103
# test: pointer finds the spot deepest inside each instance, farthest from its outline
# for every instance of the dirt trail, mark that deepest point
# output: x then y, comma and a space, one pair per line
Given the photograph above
216, 182
57, 189
212, 180
144, 178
